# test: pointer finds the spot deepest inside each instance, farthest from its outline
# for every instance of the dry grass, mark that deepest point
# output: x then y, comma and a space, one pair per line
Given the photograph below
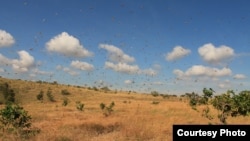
135, 118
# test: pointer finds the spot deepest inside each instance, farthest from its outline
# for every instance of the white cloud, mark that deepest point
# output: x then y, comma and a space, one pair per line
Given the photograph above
82, 65
122, 67
2, 70
213, 55
59, 67
116, 54
67, 45
4, 60
37, 71
128, 81
119, 61
6, 39
225, 84
149, 71
70, 71
177, 53
239, 76
24, 63
199, 70
178, 73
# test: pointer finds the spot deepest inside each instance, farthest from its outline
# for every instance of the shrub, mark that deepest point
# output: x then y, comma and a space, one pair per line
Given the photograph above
8, 93
107, 110
65, 92
154, 93
14, 116
50, 96
155, 102
40, 96
94, 88
15, 119
79, 106
65, 101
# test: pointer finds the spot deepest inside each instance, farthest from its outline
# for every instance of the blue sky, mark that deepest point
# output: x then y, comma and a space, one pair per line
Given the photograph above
169, 46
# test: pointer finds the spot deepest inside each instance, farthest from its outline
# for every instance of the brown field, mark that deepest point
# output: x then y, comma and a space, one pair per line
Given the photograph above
135, 118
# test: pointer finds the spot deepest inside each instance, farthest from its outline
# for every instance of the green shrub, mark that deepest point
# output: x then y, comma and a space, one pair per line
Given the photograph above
8, 93
79, 106
65, 92
50, 96
154, 93
14, 116
40, 96
107, 110
155, 102
65, 101
14, 119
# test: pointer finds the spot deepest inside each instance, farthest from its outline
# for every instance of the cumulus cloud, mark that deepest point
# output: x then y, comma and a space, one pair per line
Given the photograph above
115, 54
70, 71
239, 76
122, 67
4, 60
82, 65
67, 45
149, 71
199, 70
24, 63
177, 53
213, 55
121, 62
2, 70
6, 39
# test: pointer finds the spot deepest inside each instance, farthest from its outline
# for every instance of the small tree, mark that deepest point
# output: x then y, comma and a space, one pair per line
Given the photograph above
50, 96
65, 92
79, 105
40, 96
8, 93
154, 93
230, 104
65, 101
107, 110
14, 116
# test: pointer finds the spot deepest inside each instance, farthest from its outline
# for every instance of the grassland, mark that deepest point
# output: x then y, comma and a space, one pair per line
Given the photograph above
135, 117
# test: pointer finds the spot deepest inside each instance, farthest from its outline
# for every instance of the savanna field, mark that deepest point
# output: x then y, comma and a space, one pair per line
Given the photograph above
133, 117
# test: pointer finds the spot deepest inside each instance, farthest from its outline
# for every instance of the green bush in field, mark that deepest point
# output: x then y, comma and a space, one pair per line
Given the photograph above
8, 93
65, 92
107, 110
50, 96
40, 96
65, 101
14, 119
14, 116
228, 104
79, 105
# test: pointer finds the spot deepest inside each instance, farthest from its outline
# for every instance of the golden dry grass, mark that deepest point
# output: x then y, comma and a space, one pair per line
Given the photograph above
135, 118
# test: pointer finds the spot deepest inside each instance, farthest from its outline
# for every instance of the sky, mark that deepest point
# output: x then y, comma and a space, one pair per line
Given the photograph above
168, 46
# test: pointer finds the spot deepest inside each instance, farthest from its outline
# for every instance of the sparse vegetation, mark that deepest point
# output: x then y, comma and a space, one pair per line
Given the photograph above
40, 96
50, 95
65, 92
65, 101
14, 119
79, 105
154, 93
107, 110
134, 116
8, 93
155, 102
